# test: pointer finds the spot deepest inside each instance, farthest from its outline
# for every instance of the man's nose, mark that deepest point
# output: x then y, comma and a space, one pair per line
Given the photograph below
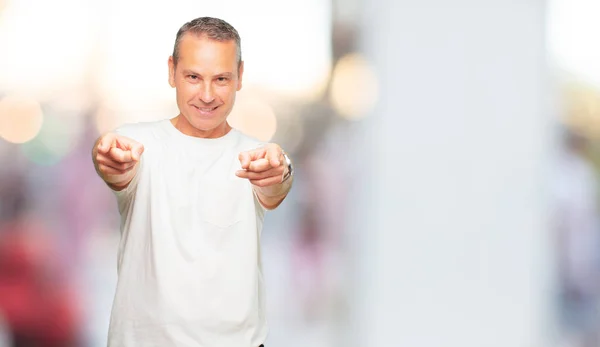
207, 94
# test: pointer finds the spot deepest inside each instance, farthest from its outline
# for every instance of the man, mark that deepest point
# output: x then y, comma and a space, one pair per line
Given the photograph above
192, 193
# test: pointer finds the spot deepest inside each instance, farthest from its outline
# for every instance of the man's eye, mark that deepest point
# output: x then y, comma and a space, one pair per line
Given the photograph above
194, 77
222, 79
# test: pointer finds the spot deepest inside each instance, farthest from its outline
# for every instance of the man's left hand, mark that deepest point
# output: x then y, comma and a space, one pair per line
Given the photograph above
265, 168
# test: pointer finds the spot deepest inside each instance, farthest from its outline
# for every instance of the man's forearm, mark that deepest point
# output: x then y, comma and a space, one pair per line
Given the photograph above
272, 196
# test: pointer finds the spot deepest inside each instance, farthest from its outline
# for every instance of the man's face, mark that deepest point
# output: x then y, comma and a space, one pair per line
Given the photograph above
206, 80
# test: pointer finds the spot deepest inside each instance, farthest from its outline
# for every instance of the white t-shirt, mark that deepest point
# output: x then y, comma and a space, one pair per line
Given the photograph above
189, 264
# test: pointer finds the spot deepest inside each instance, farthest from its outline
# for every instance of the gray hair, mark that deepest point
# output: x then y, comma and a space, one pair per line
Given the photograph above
214, 29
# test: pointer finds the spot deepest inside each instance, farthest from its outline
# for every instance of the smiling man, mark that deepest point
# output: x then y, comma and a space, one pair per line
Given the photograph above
192, 193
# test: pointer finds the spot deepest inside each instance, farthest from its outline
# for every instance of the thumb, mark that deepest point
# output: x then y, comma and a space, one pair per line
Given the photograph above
136, 151
273, 156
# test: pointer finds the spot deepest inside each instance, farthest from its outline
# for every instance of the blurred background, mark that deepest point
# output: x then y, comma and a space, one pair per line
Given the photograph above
447, 157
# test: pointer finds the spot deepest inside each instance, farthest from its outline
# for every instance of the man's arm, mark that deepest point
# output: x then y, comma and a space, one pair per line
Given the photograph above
115, 158
266, 168
272, 196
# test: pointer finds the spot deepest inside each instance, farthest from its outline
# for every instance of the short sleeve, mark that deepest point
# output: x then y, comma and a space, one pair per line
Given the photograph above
260, 209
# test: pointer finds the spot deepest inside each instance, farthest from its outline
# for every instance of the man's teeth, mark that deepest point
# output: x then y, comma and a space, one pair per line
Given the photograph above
206, 109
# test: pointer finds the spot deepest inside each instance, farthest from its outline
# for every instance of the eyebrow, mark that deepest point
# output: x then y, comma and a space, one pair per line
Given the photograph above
223, 74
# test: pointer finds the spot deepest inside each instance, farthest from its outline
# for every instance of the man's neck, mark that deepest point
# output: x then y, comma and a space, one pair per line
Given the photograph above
181, 124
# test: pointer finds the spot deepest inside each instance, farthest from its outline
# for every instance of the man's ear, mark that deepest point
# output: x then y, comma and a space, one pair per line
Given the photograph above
171, 72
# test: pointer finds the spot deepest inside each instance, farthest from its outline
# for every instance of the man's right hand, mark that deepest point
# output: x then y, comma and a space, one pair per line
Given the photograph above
115, 158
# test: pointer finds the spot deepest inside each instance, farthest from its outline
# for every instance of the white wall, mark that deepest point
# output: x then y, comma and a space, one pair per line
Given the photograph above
453, 241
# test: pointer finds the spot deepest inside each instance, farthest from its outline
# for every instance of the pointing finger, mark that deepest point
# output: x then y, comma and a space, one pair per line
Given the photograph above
244, 158
120, 155
125, 142
255, 154
259, 165
106, 142
136, 151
